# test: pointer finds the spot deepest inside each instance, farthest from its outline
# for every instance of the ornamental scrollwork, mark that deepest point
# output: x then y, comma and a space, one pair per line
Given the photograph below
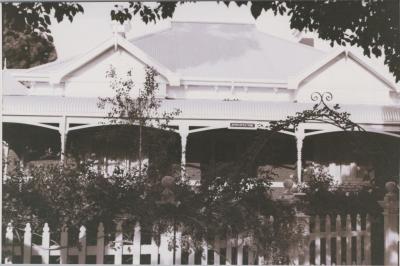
320, 112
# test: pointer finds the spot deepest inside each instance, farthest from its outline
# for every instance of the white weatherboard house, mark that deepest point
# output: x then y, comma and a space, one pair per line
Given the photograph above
228, 80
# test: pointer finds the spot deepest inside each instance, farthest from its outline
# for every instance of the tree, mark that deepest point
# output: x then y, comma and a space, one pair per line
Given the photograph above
142, 109
26, 49
27, 39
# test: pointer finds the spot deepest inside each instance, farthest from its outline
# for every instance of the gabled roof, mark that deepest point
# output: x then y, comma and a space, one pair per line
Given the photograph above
202, 52
54, 72
227, 50
295, 81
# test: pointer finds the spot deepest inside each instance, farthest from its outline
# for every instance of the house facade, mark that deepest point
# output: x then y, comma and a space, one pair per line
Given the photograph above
229, 81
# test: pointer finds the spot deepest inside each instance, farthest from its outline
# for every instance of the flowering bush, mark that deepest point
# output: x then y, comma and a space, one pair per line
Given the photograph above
324, 196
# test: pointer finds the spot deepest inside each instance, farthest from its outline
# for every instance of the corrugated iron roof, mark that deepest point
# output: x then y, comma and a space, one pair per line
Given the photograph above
227, 50
193, 109
217, 50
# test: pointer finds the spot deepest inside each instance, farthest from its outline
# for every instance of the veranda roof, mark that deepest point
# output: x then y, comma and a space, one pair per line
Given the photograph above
191, 109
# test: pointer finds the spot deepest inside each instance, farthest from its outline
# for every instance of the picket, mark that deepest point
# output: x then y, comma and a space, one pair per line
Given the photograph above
45, 251
358, 241
9, 242
166, 255
154, 251
328, 253
321, 234
229, 242
240, 244
204, 255
191, 259
82, 245
338, 240
216, 251
317, 241
367, 241
118, 245
136, 245
178, 248
27, 244
307, 246
348, 240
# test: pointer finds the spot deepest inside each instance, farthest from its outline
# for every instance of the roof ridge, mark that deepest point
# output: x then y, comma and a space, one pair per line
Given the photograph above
139, 37
313, 48
66, 60
214, 22
136, 38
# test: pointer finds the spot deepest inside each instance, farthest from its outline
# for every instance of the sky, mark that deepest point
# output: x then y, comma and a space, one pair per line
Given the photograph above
93, 27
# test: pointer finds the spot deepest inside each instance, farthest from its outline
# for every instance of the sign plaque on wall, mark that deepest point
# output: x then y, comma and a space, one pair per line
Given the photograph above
242, 125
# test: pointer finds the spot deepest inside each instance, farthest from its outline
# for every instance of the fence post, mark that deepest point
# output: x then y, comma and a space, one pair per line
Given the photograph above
391, 224
64, 245
302, 254
9, 243
27, 243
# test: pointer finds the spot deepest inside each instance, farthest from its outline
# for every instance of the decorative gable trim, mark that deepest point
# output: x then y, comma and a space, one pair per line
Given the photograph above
294, 82
116, 41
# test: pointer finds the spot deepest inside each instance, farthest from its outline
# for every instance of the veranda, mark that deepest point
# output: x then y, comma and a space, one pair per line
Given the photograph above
197, 147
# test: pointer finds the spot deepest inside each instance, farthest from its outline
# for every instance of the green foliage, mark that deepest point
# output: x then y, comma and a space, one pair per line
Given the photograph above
35, 16
323, 196
25, 49
76, 196
27, 40
136, 105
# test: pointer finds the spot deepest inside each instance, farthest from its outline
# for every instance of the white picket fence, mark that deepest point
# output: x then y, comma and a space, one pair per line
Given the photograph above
326, 243
342, 241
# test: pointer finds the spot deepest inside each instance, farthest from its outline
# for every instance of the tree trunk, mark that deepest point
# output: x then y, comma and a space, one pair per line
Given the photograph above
140, 148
